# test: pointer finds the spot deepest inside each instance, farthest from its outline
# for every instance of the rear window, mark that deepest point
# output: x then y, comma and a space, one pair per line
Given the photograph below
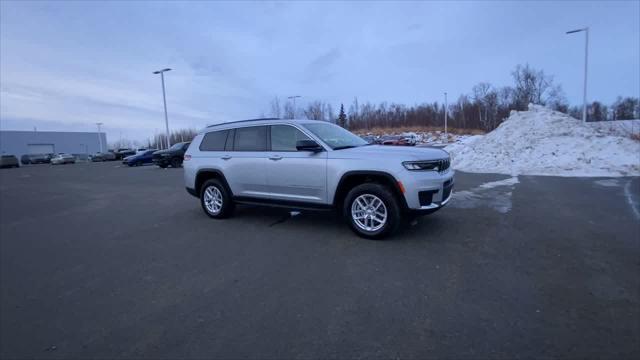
252, 138
214, 141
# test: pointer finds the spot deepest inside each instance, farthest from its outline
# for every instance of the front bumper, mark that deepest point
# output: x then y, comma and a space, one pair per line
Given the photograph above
427, 190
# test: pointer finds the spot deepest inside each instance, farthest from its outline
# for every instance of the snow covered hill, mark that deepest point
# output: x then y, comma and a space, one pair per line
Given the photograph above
546, 142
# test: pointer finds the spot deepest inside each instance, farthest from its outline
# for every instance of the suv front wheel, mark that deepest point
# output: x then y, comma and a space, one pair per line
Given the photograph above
215, 199
372, 211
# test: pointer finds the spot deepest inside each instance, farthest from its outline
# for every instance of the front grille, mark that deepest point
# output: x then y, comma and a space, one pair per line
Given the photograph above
444, 165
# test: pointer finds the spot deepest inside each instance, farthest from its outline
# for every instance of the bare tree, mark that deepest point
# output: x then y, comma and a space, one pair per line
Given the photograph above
289, 112
315, 110
275, 107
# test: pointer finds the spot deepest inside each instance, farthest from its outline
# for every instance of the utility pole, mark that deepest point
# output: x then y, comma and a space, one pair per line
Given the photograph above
294, 103
586, 61
99, 136
164, 99
446, 136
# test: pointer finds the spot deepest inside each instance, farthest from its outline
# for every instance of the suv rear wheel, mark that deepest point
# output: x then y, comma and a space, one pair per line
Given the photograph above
372, 211
215, 199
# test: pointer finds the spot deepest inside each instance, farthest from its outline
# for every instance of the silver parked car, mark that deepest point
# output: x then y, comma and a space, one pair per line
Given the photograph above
307, 164
63, 159
108, 156
9, 161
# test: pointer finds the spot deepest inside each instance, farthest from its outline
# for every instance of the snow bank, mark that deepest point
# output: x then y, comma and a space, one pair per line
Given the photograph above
618, 127
546, 142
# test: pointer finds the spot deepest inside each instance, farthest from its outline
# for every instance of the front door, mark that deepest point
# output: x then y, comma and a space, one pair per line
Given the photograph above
294, 175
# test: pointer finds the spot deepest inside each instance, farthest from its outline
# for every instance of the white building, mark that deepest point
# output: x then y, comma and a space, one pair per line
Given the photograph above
19, 143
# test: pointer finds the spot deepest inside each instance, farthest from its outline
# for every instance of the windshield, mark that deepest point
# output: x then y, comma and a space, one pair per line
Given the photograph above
177, 146
335, 136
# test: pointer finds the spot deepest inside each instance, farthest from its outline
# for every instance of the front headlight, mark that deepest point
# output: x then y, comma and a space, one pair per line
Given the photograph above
426, 165
165, 155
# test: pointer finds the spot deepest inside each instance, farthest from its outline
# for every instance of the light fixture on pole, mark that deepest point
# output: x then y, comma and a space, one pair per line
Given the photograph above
586, 60
294, 103
99, 136
164, 99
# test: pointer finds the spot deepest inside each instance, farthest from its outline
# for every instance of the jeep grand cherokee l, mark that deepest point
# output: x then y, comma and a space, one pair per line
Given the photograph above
307, 164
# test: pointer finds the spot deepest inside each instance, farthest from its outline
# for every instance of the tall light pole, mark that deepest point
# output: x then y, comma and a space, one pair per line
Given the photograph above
164, 99
586, 60
99, 136
445, 117
294, 103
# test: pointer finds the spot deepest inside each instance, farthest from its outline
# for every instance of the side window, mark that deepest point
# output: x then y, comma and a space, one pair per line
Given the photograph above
284, 137
252, 138
214, 141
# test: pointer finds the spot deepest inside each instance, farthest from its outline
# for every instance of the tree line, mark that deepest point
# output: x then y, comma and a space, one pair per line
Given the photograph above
485, 107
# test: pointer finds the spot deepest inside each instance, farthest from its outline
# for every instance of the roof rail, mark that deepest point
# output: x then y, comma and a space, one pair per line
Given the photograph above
240, 121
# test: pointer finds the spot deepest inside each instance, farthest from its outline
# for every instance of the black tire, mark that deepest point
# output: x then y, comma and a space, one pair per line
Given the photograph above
176, 162
227, 202
390, 202
164, 166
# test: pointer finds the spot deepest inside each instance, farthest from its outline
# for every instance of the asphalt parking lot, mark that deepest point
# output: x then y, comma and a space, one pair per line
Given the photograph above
102, 261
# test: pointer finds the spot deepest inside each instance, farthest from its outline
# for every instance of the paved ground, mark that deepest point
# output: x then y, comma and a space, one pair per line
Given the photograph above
110, 262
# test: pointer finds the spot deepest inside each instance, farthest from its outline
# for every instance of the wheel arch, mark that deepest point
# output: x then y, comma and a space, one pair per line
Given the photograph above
350, 179
206, 174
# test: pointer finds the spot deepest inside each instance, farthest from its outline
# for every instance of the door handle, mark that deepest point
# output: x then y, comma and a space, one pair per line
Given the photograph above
226, 157
275, 157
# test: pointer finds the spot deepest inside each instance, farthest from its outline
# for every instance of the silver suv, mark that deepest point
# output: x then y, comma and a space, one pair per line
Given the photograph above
307, 164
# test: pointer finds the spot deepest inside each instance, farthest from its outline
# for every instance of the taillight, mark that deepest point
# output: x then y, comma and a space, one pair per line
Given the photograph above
187, 157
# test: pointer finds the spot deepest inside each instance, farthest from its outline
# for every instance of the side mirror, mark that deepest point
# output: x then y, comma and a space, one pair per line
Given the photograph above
308, 145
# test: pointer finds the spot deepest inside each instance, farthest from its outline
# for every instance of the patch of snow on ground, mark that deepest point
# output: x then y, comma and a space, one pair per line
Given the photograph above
546, 142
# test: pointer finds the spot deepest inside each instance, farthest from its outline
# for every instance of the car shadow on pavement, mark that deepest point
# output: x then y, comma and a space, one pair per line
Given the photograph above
330, 222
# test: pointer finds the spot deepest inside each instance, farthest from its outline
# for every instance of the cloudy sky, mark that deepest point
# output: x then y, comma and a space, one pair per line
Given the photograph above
68, 65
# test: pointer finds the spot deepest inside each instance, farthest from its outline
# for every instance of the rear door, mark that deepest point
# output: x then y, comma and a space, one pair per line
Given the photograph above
294, 175
244, 161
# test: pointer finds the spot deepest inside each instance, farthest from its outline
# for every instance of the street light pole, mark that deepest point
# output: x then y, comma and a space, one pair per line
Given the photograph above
445, 117
294, 103
99, 136
164, 99
586, 61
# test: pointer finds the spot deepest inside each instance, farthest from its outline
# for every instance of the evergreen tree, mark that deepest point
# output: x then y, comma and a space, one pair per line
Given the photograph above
342, 118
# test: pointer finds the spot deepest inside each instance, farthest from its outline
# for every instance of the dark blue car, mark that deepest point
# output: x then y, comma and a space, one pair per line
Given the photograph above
141, 158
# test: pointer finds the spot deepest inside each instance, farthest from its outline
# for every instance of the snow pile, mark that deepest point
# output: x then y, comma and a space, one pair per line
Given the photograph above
618, 127
546, 142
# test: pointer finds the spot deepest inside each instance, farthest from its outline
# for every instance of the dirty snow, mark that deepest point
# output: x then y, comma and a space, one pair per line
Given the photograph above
546, 142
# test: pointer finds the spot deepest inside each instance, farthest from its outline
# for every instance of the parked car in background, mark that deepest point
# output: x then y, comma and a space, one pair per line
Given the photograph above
172, 156
123, 153
108, 156
63, 158
395, 140
411, 137
36, 158
9, 161
141, 158
371, 139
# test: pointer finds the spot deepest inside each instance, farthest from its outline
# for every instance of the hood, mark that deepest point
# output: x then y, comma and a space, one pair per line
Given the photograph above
160, 152
388, 151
